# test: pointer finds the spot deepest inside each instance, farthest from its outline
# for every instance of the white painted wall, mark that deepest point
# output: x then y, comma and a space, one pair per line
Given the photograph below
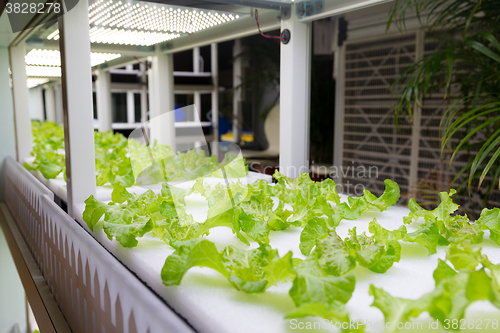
12, 304
7, 134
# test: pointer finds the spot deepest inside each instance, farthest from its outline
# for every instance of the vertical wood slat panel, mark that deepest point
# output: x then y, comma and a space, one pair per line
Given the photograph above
411, 155
370, 67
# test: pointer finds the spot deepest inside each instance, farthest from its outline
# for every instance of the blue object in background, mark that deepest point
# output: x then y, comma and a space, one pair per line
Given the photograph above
179, 114
224, 125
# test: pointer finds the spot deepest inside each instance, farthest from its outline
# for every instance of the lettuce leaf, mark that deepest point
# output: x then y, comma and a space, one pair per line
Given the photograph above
333, 255
379, 252
451, 228
397, 310
314, 285
94, 210
313, 229
475, 280
356, 206
251, 271
427, 235
389, 198
126, 226
490, 220
191, 254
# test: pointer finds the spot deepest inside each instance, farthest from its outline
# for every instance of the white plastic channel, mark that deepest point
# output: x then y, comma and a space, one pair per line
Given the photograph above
93, 289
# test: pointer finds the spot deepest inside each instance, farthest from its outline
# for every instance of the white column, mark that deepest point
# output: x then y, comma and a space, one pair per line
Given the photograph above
36, 107
77, 105
59, 103
151, 88
196, 69
21, 101
50, 103
294, 97
130, 107
215, 93
196, 60
338, 134
197, 103
162, 99
103, 99
237, 77
144, 94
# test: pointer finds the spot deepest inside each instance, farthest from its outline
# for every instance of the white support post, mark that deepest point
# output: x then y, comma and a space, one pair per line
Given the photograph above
151, 89
215, 93
197, 103
144, 94
59, 103
77, 105
130, 107
417, 115
162, 99
37, 104
196, 70
338, 134
294, 97
103, 97
50, 103
237, 78
196, 60
21, 101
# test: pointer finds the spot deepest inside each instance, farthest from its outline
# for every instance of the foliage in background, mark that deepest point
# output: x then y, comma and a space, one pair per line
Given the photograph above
466, 66
127, 162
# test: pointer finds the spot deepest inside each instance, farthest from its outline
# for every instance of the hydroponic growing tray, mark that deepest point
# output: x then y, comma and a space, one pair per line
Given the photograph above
210, 304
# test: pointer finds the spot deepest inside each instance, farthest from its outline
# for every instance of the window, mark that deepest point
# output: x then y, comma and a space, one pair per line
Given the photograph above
119, 107
94, 104
138, 110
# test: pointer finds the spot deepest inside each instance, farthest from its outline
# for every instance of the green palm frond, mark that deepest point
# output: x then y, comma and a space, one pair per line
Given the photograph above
465, 69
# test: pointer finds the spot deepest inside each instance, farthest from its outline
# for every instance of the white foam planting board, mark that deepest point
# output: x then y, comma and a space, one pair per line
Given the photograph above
210, 304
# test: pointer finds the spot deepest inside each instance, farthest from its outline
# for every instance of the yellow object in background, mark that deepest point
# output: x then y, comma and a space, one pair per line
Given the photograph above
229, 137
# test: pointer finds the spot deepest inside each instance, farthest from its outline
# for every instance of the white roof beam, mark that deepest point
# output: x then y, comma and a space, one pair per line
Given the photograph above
124, 50
337, 7
245, 26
